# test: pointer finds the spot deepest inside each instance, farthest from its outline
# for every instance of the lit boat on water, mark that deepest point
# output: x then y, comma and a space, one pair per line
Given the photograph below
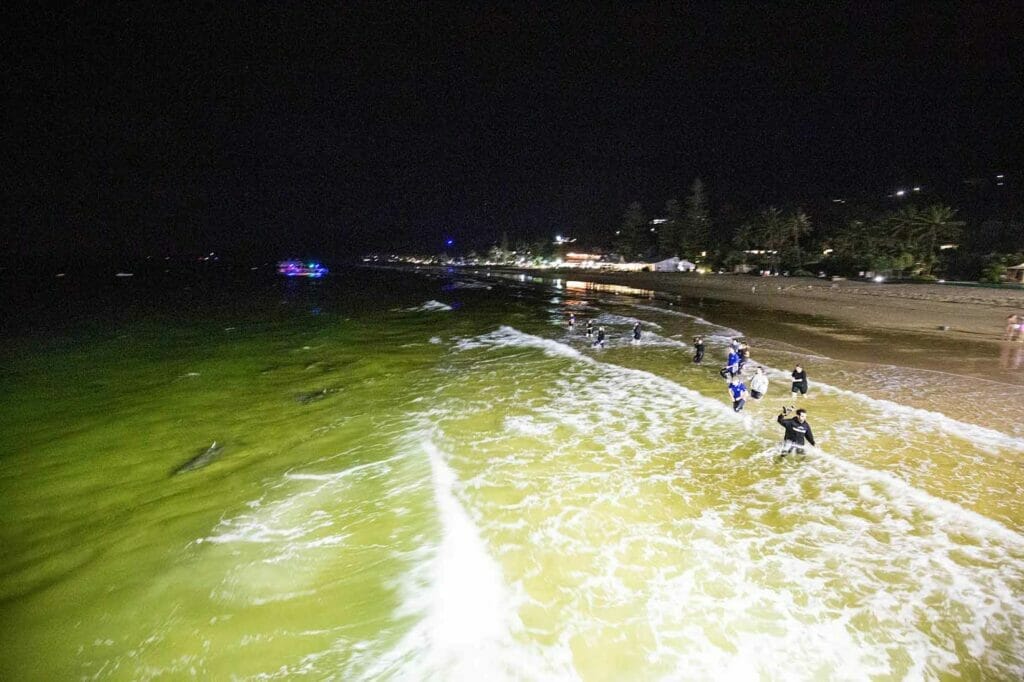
296, 268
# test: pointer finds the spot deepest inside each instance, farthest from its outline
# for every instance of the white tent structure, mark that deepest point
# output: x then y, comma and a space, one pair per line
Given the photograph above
673, 264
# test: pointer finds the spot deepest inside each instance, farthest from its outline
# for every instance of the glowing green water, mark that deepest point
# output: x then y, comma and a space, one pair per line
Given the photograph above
480, 495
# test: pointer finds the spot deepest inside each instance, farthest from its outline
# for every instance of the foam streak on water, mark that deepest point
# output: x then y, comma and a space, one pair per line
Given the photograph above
465, 628
628, 545
482, 494
949, 457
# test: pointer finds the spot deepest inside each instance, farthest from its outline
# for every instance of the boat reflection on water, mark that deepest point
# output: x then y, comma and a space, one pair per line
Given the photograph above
295, 268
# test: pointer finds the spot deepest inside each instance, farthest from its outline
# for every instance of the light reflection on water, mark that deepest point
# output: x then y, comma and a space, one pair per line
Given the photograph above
479, 494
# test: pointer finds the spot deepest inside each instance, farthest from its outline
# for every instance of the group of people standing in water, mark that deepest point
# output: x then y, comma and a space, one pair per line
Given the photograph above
798, 431
599, 336
794, 421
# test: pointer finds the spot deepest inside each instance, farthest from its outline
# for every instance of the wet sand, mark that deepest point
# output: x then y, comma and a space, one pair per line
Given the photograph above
971, 313
939, 327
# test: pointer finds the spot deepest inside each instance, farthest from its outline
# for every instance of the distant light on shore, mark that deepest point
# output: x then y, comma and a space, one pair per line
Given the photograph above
879, 278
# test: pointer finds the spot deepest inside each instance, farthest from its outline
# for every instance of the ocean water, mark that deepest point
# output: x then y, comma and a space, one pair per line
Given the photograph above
429, 476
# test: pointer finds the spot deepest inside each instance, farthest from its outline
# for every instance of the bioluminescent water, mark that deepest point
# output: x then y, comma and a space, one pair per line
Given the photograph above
388, 476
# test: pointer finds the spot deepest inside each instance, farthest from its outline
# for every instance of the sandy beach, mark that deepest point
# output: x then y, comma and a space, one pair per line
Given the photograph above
942, 327
975, 314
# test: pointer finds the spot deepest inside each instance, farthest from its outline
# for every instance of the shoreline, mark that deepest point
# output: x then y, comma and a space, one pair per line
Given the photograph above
976, 314
898, 324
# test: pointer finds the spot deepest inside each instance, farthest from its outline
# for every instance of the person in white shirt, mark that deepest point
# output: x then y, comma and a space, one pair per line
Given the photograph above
758, 384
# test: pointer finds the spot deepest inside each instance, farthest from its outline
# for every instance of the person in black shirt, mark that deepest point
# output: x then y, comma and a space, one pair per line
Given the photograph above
799, 381
600, 337
590, 328
636, 333
744, 352
798, 431
698, 349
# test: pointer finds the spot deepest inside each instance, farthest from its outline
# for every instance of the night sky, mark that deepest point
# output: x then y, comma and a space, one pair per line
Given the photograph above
264, 131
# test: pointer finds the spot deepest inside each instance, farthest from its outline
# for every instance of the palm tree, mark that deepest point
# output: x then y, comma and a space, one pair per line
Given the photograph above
668, 231
922, 232
764, 232
797, 226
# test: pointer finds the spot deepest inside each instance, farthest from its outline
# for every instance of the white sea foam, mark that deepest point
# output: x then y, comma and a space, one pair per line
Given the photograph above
708, 573
980, 435
717, 329
288, 535
985, 437
431, 306
611, 319
469, 284
508, 337
467, 626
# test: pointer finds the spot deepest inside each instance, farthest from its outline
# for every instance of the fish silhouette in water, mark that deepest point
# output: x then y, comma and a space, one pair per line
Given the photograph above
204, 458
311, 397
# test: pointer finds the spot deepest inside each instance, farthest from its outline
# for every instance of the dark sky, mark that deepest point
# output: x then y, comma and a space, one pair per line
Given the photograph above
279, 129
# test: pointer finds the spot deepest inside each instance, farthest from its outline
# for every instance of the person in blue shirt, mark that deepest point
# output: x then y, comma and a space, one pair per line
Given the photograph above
738, 391
732, 365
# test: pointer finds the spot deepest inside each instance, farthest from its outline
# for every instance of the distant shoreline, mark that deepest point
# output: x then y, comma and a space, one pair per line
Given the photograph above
938, 327
975, 313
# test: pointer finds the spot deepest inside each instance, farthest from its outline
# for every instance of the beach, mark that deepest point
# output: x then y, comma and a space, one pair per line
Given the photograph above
974, 313
387, 475
943, 327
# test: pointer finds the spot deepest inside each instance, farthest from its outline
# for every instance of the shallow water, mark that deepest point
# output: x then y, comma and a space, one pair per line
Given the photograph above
433, 478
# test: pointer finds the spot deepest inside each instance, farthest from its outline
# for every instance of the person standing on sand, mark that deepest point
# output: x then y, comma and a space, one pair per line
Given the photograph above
797, 431
698, 349
799, 383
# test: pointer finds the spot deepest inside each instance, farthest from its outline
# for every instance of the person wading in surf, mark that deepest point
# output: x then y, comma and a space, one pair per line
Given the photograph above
738, 391
798, 430
758, 384
732, 365
698, 349
799, 381
744, 352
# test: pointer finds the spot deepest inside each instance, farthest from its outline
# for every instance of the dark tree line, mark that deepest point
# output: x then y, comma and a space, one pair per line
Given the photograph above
927, 241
